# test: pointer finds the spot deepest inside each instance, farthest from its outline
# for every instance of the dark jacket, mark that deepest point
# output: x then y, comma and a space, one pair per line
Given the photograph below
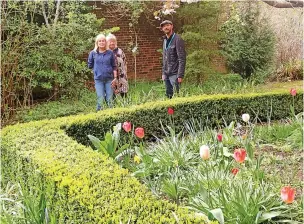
174, 57
103, 65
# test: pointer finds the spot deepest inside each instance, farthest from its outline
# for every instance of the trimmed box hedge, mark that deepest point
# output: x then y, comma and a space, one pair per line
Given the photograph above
212, 109
83, 186
87, 187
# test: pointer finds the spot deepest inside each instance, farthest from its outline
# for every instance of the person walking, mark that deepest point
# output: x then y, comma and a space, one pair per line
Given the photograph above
102, 61
174, 59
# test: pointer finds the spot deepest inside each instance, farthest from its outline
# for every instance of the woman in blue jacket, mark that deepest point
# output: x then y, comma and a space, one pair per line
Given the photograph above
102, 61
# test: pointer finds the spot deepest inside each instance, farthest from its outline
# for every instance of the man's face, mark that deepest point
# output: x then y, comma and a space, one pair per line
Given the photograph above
167, 28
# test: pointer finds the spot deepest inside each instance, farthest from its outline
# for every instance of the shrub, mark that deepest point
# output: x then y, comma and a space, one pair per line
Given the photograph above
248, 43
291, 70
211, 109
82, 185
36, 49
199, 30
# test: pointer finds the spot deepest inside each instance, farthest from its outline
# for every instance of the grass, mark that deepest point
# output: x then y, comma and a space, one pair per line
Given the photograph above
142, 92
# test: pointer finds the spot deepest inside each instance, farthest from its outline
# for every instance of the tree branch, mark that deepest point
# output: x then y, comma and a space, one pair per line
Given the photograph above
57, 12
44, 15
285, 3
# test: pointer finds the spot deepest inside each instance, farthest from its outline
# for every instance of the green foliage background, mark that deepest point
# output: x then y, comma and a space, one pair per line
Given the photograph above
43, 52
200, 32
248, 42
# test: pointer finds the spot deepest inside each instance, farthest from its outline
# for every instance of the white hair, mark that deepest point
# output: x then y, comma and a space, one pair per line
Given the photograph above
99, 37
111, 37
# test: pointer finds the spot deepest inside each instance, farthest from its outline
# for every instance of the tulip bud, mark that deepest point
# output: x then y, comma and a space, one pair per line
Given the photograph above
246, 117
234, 171
204, 152
287, 194
239, 155
170, 111
293, 91
219, 137
127, 126
140, 132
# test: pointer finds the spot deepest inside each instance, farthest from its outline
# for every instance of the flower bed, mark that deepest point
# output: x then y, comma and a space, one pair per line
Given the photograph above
87, 187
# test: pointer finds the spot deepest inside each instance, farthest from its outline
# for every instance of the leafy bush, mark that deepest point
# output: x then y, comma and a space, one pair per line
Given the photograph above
291, 70
42, 48
199, 30
248, 44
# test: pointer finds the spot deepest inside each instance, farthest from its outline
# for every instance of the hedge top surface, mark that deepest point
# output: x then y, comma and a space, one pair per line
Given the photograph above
69, 120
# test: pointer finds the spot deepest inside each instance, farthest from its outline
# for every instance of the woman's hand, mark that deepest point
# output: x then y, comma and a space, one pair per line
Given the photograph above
114, 82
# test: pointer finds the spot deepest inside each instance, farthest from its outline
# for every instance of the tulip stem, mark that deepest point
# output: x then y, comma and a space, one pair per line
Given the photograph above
209, 193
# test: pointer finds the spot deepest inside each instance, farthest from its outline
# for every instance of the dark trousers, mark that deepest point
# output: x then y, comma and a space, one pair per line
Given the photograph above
172, 85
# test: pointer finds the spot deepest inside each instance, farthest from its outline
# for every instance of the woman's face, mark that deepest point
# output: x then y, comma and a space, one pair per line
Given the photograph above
101, 43
112, 44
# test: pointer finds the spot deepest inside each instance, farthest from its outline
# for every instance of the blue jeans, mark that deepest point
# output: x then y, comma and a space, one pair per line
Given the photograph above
103, 91
172, 85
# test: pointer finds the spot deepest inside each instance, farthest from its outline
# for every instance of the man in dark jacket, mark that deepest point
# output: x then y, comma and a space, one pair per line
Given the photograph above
174, 59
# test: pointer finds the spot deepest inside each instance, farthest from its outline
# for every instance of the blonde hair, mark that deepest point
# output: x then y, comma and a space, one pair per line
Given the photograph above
99, 37
111, 37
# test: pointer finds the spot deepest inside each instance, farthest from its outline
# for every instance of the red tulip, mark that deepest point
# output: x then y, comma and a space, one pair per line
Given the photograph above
170, 111
219, 137
234, 171
127, 126
140, 132
293, 91
239, 155
288, 194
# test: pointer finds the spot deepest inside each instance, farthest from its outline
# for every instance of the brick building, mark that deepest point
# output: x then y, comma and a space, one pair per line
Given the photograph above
149, 39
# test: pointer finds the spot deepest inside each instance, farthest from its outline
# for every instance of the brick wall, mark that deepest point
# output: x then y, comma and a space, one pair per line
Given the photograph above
148, 60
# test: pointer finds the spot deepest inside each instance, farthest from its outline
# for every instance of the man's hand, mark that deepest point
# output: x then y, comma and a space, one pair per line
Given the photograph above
179, 80
163, 77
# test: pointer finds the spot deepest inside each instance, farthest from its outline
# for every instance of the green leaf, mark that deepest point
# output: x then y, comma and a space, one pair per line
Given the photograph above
268, 215
95, 141
218, 215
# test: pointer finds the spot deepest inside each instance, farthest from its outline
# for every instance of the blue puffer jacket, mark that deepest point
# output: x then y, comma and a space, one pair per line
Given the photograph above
103, 65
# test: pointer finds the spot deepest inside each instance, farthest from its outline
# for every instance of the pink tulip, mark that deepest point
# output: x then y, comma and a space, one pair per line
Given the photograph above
293, 91
204, 152
140, 132
127, 126
287, 194
239, 155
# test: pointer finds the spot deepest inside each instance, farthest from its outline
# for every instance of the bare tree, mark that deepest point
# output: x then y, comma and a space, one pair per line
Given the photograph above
285, 3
